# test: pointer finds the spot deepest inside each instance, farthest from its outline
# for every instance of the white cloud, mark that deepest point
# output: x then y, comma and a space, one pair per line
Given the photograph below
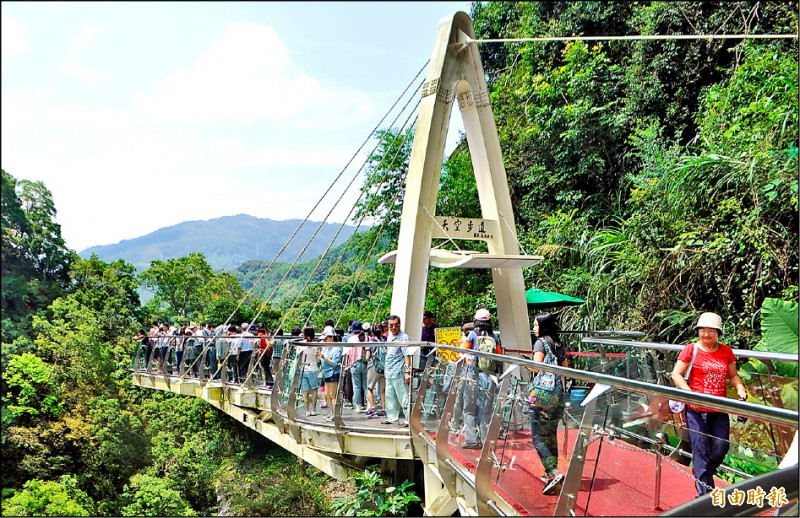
241, 130
247, 76
82, 42
14, 37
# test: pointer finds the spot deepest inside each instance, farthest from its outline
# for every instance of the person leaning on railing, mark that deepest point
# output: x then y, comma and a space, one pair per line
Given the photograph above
709, 430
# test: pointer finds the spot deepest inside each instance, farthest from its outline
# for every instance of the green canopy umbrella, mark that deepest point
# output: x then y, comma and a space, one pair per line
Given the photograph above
539, 299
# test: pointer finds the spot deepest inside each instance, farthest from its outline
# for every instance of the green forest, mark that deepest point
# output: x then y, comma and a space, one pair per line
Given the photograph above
658, 178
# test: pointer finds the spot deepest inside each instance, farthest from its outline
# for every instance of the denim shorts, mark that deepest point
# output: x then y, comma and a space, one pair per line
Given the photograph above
309, 381
333, 378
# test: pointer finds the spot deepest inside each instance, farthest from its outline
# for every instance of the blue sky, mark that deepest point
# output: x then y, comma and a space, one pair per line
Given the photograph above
139, 116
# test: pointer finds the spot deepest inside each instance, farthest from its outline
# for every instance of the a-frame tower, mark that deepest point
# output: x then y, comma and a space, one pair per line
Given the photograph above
456, 74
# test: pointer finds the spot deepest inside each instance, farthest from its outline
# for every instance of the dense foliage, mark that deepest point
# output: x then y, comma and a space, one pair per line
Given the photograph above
78, 439
657, 178
34, 261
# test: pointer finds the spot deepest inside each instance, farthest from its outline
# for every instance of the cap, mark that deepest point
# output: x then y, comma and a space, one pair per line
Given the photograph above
356, 326
366, 326
482, 314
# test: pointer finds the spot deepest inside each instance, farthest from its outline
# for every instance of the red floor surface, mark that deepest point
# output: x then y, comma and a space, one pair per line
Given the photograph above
624, 478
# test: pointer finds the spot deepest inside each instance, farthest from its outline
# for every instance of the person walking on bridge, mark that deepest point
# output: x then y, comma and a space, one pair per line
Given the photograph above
331, 360
713, 364
245, 351
358, 366
481, 385
544, 422
428, 335
309, 358
398, 374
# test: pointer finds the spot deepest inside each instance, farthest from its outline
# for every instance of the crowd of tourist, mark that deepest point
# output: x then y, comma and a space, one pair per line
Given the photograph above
374, 379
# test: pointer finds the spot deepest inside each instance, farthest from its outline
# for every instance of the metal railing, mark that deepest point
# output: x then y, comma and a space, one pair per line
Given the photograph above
444, 396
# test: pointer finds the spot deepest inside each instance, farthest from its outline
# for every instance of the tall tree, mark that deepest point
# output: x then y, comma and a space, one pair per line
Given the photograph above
35, 260
179, 282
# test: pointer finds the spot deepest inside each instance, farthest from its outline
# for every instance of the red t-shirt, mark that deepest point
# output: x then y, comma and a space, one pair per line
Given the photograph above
710, 371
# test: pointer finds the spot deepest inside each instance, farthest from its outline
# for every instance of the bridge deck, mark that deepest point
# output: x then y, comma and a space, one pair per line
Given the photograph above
613, 471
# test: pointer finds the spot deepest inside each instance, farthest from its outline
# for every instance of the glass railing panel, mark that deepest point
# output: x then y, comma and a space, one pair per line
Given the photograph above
283, 383
226, 360
192, 353
289, 366
171, 358
531, 442
619, 475
209, 353
151, 363
771, 389
438, 376
140, 357
468, 428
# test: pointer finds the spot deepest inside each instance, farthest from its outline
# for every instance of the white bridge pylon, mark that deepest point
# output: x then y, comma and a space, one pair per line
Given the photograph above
456, 73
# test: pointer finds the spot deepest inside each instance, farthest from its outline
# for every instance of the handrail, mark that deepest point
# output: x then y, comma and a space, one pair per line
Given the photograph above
743, 408
739, 353
724, 404
632, 334
293, 424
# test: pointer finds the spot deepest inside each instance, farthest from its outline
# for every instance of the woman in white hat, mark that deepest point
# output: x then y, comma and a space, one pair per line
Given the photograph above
712, 364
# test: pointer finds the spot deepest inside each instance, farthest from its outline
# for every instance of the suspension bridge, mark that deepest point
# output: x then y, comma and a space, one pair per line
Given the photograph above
619, 445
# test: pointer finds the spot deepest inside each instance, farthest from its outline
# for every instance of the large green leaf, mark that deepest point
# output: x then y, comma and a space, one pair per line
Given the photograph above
778, 326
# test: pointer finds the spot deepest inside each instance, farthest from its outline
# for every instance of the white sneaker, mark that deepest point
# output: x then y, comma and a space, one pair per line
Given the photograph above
329, 417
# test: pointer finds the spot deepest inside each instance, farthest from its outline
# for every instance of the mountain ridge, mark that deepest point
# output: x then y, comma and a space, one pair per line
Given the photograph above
226, 242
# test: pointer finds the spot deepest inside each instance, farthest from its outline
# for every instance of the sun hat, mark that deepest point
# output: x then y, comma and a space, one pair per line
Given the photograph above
711, 320
483, 314
329, 331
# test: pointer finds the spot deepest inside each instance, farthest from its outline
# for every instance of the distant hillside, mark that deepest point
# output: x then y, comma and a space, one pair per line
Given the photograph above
227, 242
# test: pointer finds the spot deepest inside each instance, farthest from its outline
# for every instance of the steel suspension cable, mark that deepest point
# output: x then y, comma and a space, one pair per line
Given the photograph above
297, 230
364, 143
377, 235
337, 179
342, 226
637, 37
363, 192
360, 221
330, 245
